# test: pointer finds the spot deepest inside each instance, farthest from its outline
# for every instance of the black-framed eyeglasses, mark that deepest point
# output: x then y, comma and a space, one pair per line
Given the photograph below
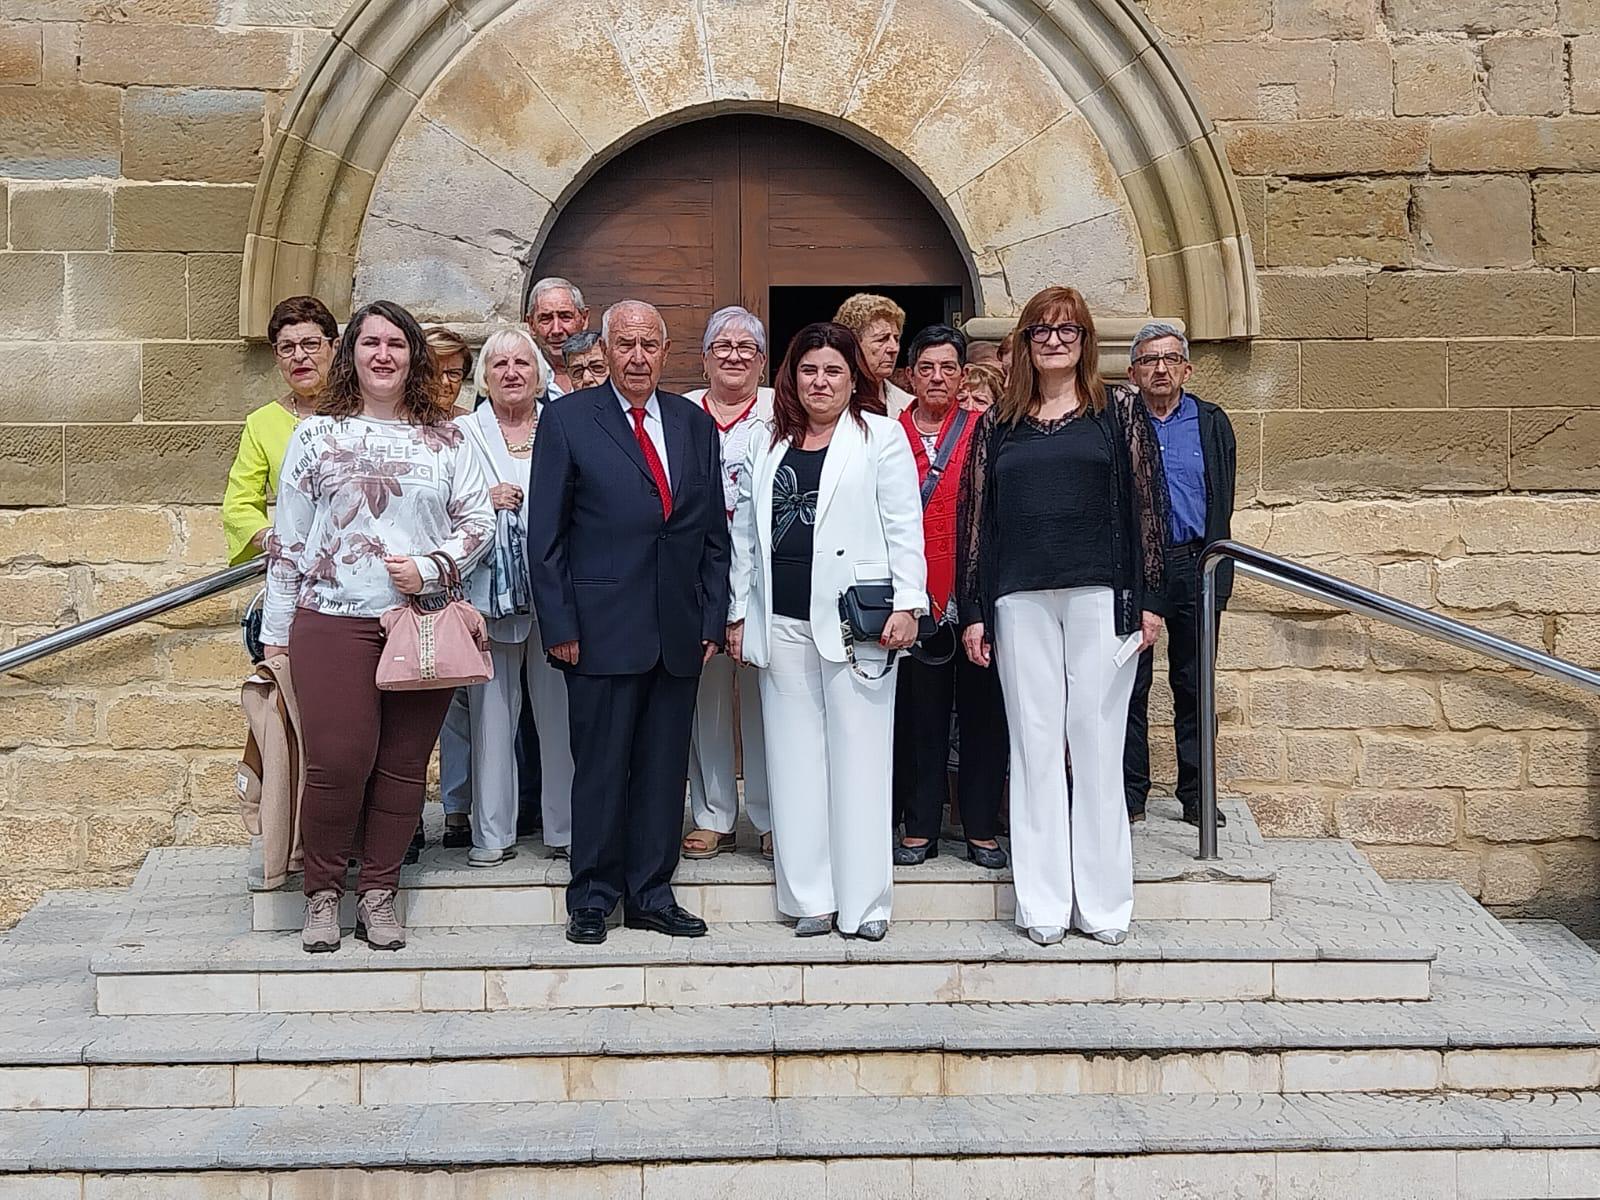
1068, 333
1172, 358
453, 375
307, 346
743, 350
595, 370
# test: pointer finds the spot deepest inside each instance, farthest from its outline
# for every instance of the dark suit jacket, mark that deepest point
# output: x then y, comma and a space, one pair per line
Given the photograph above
607, 571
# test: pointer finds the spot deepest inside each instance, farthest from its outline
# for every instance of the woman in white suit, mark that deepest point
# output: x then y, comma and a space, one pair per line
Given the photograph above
827, 501
514, 376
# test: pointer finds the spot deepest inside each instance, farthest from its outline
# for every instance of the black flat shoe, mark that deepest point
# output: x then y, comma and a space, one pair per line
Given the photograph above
673, 920
915, 856
992, 857
1191, 816
456, 837
419, 841
586, 926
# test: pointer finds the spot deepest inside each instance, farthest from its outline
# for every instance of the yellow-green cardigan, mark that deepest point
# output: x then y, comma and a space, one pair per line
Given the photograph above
253, 478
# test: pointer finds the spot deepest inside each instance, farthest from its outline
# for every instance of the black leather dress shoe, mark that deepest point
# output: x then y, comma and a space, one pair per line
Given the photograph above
419, 842
456, 837
673, 920
586, 926
1191, 816
992, 857
915, 856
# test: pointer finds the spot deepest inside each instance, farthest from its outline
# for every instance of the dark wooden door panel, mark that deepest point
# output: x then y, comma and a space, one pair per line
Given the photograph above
720, 211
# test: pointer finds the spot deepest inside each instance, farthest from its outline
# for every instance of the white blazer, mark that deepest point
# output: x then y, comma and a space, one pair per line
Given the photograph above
484, 436
868, 530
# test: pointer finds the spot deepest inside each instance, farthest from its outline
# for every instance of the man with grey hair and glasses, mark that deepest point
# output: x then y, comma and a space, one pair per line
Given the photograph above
584, 359
556, 312
1198, 458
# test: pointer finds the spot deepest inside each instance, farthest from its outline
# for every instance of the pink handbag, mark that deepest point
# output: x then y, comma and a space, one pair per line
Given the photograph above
435, 641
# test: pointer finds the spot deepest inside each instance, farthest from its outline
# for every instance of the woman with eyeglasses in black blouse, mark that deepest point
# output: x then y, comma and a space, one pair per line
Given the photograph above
1061, 582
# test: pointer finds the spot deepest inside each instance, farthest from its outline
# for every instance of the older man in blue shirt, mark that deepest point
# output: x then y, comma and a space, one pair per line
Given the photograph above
1198, 455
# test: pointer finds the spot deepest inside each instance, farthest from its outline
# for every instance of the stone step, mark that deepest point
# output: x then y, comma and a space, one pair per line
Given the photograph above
757, 964
1254, 1146
665, 1077
442, 890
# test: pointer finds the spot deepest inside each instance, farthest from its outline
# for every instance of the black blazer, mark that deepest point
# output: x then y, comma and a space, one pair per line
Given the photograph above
607, 571
1221, 456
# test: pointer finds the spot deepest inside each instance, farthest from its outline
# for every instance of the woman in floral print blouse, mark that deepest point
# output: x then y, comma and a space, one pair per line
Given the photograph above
371, 485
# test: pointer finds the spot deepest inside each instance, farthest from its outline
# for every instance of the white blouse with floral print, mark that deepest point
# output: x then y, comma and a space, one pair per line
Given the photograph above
355, 489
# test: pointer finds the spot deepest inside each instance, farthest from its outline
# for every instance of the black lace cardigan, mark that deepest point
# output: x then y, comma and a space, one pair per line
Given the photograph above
1139, 531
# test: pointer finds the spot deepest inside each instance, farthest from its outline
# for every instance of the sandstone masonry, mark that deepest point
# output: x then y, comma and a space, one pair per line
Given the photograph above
1420, 177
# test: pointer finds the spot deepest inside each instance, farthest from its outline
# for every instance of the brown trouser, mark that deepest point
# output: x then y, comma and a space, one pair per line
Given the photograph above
366, 752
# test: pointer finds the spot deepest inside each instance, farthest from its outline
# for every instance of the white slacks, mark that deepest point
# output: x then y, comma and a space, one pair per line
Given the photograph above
1072, 862
455, 755
829, 737
713, 779
496, 708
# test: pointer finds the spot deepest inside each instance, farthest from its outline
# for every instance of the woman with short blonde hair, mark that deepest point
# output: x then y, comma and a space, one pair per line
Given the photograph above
514, 376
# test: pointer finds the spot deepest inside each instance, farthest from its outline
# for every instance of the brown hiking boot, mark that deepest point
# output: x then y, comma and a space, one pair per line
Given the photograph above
321, 932
376, 922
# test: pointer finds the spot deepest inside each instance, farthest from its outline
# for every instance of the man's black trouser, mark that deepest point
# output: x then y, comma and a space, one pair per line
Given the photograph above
1183, 672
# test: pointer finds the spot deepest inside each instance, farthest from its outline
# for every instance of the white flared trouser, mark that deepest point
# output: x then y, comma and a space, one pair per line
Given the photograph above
829, 737
713, 779
1072, 862
455, 755
496, 708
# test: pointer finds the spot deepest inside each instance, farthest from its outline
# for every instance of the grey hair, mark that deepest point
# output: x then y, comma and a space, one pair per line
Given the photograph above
733, 315
554, 283
506, 338
580, 343
605, 318
1154, 332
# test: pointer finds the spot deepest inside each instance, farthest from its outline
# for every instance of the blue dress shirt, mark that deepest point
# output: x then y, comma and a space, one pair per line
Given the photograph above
1185, 463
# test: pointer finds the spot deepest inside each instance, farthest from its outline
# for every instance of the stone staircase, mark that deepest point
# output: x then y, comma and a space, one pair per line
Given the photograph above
1280, 1023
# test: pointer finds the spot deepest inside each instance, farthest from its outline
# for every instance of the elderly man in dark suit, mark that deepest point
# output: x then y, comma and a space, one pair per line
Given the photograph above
628, 557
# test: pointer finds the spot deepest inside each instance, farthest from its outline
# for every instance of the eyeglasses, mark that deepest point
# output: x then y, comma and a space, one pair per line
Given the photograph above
744, 350
1172, 358
593, 370
453, 375
1040, 334
307, 346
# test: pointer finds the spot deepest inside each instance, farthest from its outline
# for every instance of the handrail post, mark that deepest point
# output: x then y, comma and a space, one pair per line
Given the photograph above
1208, 705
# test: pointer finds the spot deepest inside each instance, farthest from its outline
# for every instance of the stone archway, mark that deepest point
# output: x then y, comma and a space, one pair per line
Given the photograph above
428, 150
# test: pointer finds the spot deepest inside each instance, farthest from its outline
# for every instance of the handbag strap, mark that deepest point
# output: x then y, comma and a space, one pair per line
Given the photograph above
848, 635
942, 453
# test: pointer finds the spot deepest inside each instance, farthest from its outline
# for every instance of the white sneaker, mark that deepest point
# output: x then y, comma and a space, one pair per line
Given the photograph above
478, 856
1046, 935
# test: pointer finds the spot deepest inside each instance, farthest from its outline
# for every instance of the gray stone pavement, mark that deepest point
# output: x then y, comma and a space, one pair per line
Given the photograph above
690, 1130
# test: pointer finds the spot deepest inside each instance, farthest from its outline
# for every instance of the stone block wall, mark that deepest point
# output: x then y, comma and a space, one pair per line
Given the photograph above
1420, 178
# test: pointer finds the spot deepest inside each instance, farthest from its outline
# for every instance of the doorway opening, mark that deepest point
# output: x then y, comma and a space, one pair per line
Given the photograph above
793, 308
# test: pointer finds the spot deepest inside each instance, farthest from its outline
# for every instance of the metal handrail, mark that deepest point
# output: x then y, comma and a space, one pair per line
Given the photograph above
1338, 593
130, 614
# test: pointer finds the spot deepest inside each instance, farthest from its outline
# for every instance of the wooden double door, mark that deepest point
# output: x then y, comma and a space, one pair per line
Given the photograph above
778, 215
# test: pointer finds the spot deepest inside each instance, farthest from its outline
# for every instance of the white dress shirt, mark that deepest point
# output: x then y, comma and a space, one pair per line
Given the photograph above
652, 426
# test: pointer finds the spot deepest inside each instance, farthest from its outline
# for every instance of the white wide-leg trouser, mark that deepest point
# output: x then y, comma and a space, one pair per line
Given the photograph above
496, 708
713, 777
829, 736
1072, 862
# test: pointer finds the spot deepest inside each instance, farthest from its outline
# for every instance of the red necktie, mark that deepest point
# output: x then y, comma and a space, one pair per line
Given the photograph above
651, 459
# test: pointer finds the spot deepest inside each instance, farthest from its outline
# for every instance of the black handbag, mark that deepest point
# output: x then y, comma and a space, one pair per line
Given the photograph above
863, 612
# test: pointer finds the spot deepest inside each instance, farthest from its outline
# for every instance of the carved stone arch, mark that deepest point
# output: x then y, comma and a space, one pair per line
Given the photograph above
429, 147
